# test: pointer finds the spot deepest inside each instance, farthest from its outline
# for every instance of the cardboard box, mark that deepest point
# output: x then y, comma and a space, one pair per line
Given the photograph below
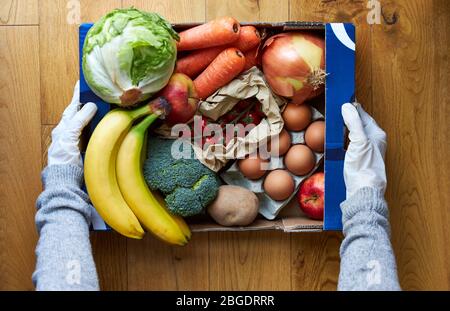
339, 89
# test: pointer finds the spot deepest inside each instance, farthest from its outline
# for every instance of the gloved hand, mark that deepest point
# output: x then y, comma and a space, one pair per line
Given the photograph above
66, 135
364, 160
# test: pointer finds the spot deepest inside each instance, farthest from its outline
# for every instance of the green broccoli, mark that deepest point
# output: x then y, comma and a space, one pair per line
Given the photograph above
188, 185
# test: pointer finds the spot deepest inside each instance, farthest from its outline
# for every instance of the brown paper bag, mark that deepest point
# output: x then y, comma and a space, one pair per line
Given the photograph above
249, 84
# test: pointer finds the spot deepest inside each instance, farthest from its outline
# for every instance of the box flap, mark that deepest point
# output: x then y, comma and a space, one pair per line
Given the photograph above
340, 89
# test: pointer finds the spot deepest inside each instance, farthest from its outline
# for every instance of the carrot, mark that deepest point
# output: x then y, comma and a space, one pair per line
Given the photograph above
251, 58
216, 32
195, 62
227, 65
248, 38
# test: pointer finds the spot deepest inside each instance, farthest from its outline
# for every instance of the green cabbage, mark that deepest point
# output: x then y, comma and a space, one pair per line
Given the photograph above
129, 55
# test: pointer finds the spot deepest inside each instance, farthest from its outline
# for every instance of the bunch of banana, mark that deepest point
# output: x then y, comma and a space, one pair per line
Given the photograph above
114, 178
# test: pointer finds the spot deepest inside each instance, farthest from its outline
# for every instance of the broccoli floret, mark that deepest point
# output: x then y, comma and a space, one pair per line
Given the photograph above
206, 189
189, 186
184, 202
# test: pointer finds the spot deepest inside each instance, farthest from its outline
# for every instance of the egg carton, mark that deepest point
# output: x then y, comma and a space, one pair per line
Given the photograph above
268, 207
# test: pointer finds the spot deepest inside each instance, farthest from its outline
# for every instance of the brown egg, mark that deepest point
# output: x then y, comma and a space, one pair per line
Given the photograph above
279, 185
296, 117
253, 167
315, 136
300, 160
280, 144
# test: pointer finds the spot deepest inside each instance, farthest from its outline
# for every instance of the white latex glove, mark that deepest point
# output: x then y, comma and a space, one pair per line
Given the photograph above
364, 159
66, 135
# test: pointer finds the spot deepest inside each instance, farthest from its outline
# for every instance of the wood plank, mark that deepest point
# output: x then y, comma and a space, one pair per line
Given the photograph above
176, 11
316, 257
248, 10
92, 10
46, 140
58, 37
154, 265
19, 12
441, 28
315, 260
250, 260
20, 160
410, 89
110, 255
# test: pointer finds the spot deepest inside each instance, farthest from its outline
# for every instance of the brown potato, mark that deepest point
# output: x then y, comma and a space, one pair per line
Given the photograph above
234, 206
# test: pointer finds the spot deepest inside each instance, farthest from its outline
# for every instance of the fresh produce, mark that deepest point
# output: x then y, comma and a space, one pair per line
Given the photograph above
140, 182
244, 116
251, 58
188, 185
152, 215
234, 206
253, 167
279, 185
224, 68
311, 196
300, 160
182, 96
296, 117
246, 111
250, 117
100, 166
129, 55
280, 144
294, 64
216, 32
248, 39
315, 136
195, 62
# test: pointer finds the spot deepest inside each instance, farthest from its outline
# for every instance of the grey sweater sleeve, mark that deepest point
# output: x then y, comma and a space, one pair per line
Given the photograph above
64, 255
367, 258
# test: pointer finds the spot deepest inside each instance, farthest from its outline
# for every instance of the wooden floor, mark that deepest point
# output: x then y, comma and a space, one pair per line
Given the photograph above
402, 79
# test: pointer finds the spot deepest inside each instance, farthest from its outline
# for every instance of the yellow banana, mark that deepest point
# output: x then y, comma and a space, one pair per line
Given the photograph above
100, 167
150, 212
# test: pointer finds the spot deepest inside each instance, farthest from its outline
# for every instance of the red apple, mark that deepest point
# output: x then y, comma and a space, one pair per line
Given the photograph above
182, 96
311, 196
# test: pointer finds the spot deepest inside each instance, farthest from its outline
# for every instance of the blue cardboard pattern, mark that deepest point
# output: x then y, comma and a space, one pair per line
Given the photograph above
340, 89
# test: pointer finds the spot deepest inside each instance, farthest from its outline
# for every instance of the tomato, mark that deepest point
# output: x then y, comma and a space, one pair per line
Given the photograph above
242, 104
229, 117
250, 118
258, 109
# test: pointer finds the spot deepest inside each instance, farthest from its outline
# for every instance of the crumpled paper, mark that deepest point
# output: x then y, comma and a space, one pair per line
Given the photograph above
249, 84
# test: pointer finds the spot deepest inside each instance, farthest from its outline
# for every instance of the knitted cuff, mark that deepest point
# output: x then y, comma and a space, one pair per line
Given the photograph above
365, 199
59, 175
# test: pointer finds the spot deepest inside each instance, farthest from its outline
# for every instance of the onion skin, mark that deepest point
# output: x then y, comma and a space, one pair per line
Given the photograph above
288, 62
